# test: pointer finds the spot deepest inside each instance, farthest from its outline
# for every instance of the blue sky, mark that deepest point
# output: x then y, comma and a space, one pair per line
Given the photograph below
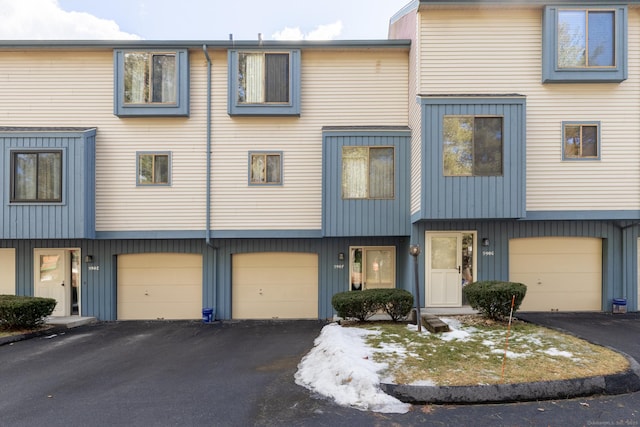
196, 19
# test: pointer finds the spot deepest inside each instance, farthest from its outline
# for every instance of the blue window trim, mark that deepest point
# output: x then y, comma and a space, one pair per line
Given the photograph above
63, 177
290, 109
180, 108
581, 159
551, 73
266, 184
166, 153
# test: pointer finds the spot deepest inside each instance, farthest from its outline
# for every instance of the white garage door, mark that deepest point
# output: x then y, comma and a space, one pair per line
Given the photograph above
159, 286
275, 285
561, 273
7, 271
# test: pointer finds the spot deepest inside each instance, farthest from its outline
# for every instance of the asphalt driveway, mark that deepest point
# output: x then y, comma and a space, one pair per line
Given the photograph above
241, 374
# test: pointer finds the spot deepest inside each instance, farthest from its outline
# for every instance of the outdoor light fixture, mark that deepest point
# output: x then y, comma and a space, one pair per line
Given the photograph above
340, 256
414, 251
88, 259
485, 241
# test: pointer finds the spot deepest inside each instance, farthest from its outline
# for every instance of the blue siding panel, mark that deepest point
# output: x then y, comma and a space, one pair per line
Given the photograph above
459, 197
620, 252
74, 217
362, 217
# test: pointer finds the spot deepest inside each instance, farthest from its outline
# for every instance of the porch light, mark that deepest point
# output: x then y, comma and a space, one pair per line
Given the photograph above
485, 241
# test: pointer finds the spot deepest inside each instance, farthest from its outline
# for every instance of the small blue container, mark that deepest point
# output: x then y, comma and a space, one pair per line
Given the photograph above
207, 315
619, 305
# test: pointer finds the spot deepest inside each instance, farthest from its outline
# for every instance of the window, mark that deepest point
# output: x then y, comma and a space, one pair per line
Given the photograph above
264, 82
153, 168
580, 141
472, 146
372, 267
151, 83
265, 168
584, 44
149, 78
36, 176
368, 172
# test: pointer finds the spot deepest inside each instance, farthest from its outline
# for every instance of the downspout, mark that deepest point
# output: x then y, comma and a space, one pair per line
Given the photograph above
208, 173
208, 184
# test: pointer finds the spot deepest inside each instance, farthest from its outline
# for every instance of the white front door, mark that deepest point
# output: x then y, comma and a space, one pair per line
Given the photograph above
444, 270
52, 277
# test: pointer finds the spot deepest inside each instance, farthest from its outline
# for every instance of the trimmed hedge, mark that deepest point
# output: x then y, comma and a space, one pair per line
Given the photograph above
22, 312
492, 298
397, 303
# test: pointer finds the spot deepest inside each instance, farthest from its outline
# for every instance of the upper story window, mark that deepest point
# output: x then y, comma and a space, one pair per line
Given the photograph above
472, 146
585, 44
264, 82
368, 172
36, 176
265, 168
580, 141
151, 83
154, 168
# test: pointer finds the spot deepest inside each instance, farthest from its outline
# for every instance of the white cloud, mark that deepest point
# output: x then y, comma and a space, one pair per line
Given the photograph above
44, 19
321, 32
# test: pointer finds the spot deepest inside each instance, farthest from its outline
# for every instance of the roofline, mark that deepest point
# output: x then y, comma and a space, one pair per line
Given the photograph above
198, 44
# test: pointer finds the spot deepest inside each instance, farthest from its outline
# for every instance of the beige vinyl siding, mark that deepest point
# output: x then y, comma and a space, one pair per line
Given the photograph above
339, 88
60, 88
7, 271
498, 51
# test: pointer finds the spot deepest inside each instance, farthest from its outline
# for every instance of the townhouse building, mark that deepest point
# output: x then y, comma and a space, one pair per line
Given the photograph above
151, 179
525, 148
147, 180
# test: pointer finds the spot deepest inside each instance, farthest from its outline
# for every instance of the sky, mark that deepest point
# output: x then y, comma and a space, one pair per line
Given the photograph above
196, 20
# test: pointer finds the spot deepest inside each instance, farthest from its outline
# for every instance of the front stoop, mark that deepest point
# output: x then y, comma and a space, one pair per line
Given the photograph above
70, 321
434, 324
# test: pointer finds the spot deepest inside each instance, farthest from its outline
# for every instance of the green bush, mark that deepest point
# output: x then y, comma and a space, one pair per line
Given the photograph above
22, 312
362, 305
492, 298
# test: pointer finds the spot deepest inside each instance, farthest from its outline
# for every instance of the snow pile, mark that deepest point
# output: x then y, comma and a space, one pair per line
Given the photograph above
341, 367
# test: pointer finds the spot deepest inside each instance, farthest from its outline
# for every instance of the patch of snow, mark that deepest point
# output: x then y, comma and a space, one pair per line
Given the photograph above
555, 352
456, 334
341, 366
510, 354
426, 383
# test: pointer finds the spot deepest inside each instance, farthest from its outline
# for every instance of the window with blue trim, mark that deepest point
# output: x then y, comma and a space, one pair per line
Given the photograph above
36, 176
265, 168
151, 83
587, 44
264, 82
580, 141
154, 168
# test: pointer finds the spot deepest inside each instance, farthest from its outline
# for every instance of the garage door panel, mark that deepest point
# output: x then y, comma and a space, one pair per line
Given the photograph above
275, 285
159, 286
560, 273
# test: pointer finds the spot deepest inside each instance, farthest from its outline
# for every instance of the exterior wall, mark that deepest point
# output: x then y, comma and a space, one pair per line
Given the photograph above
75, 89
99, 279
493, 261
447, 197
339, 88
405, 25
73, 217
498, 51
365, 217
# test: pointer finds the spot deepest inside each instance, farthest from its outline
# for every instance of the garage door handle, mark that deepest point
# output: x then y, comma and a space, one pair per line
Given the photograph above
62, 284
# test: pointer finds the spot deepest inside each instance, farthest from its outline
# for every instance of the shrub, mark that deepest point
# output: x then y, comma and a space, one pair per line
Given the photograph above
22, 312
492, 298
362, 305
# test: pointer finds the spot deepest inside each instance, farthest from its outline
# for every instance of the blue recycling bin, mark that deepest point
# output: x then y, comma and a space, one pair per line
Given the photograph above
207, 315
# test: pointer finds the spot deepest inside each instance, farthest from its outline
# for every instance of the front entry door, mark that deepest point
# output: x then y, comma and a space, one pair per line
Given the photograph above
444, 270
52, 276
